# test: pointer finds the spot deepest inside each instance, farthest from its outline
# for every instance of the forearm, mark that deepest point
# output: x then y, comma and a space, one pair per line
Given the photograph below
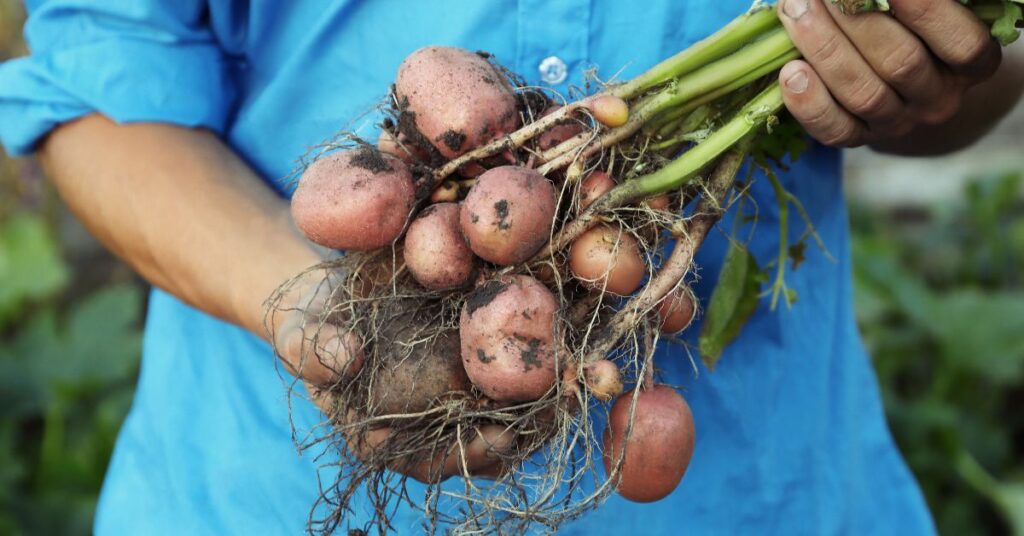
182, 209
983, 107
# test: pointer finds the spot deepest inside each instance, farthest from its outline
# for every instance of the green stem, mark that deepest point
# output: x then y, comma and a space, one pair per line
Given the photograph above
735, 85
681, 170
730, 38
781, 196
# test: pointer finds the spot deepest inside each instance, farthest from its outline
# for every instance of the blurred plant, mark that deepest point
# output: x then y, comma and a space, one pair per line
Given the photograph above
66, 380
941, 305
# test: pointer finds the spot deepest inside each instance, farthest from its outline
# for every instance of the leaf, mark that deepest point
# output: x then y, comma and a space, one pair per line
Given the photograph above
733, 301
1004, 29
30, 264
981, 332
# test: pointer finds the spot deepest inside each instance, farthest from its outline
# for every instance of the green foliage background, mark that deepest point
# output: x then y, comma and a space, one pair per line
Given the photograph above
940, 299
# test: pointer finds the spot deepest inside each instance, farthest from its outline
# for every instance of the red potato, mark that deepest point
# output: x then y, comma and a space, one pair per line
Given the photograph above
676, 311
459, 101
658, 202
508, 333
355, 200
659, 448
603, 379
508, 214
606, 257
554, 136
610, 111
593, 187
401, 148
435, 251
417, 373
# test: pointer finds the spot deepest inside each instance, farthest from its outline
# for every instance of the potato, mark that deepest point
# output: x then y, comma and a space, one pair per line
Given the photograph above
435, 251
603, 379
457, 99
659, 448
609, 110
447, 192
508, 333
508, 214
355, 200
606, 257
417, 371
658, 202
554, 136
593, 187
676, 311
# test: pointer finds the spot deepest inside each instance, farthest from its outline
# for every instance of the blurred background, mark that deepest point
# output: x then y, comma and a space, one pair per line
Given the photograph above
939, 268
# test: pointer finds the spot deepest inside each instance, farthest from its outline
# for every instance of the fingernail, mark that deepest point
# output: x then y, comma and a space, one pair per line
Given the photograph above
795, 9
797, 82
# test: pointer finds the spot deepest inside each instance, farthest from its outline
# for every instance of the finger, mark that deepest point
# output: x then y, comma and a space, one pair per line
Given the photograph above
837, 62
321, 354
811, 104
953, 34
898, 56
485, 448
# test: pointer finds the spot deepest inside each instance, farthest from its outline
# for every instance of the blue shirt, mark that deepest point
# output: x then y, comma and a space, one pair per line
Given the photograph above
791, 434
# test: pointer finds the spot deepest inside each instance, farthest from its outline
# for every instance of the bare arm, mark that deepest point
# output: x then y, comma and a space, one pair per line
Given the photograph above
182, 209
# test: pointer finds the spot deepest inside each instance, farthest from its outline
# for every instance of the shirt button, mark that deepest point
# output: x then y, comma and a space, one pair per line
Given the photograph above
553, 70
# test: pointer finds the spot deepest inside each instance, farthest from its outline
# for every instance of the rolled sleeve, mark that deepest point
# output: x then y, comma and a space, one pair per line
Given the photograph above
129, 60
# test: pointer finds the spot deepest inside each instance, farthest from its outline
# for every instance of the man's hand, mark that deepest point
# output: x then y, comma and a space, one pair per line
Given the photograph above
876, 77
315, 347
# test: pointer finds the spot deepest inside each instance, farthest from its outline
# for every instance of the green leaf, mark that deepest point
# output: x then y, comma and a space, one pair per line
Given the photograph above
733, 301
1005, 27
30, 264
981, 332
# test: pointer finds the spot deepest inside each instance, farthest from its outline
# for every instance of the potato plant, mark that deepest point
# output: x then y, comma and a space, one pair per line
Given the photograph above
498, 227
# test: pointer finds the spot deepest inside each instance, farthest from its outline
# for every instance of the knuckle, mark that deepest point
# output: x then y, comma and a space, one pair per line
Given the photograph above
915, 13
840, 135
828, 49
869, 100
905, 64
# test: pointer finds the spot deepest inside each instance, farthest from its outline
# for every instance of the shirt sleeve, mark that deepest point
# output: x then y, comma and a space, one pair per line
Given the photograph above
131, 60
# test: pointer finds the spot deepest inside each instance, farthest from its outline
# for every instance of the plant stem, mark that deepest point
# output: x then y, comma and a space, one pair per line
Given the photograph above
675, 268
678, 172
746, 122
692, 90
730, 38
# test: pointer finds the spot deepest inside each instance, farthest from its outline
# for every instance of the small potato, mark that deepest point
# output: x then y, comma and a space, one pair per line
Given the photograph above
508, 214
561, 132
611, 111
658, 202
676, 311
603, 379
447, 192
435, 251
401, 148
508, 330
355, 200
593, 187
459, 100
606, 257
417, 371
658, 450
